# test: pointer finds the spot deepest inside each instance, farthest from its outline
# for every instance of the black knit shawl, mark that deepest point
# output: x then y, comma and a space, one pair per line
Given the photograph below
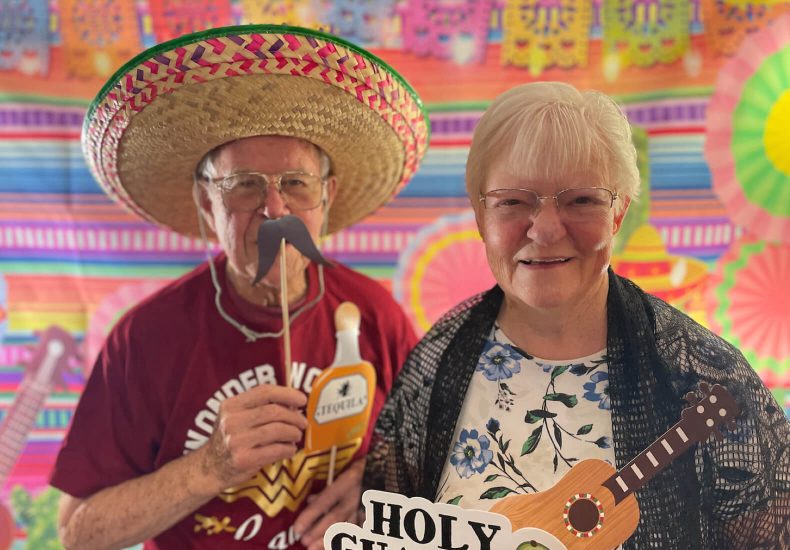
733, 493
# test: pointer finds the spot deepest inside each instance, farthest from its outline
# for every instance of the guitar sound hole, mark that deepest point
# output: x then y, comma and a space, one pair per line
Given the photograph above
583, 515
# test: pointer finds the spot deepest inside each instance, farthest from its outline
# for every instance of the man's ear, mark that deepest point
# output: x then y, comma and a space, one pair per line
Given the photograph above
331, 192
620, 216
204, 204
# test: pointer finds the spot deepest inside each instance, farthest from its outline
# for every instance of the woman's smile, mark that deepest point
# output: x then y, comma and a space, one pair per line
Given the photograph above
545, 263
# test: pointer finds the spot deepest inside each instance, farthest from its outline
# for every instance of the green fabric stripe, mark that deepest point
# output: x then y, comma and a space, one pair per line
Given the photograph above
93, 270
38, 99
653, 95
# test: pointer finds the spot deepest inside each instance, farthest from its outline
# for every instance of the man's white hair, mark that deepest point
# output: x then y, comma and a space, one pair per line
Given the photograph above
206, 170
542, 129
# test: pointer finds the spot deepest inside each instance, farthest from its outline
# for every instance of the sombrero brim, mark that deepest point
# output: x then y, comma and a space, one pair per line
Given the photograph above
160, 113
684, 274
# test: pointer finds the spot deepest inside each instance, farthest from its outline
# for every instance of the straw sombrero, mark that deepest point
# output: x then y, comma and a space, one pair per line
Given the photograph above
162, 111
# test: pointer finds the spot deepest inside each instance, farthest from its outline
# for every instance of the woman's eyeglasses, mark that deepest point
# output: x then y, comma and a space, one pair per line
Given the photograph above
576, 204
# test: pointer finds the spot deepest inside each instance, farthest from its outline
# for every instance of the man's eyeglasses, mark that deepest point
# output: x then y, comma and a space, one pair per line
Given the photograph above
247, 191
576, 204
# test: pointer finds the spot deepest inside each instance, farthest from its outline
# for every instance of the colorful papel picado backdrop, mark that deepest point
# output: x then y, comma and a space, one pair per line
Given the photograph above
705, 84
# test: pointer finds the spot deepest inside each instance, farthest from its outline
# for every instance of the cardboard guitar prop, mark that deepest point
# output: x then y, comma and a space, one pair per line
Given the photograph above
592, 507
48, 363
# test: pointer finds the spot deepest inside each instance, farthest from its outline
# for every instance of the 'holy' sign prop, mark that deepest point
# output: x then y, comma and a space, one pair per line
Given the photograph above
395, 522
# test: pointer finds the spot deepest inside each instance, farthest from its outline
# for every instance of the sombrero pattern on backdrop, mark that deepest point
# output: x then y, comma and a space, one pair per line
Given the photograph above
72, 258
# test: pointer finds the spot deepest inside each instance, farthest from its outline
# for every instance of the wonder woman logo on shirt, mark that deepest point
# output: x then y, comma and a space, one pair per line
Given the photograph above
285, 484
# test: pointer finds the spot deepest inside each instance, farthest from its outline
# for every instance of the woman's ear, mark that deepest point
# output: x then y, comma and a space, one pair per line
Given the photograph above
478, 215
620, 216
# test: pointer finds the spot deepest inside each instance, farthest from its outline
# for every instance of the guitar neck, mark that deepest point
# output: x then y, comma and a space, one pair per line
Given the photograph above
651, 461
54, 350
16, 427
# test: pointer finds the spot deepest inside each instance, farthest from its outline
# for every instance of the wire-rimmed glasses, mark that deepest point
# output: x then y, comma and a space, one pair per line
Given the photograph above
247, 191
574, 204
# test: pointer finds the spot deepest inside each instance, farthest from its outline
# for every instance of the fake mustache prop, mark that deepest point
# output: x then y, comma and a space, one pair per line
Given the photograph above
294, 231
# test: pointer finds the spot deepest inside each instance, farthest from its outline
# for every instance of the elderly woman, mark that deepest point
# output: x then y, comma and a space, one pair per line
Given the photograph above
563, 360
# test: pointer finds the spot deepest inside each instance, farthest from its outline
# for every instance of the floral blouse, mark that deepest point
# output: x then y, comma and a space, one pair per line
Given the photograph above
524, 423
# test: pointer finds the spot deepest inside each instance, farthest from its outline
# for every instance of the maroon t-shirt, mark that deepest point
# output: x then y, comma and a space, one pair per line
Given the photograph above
154, 393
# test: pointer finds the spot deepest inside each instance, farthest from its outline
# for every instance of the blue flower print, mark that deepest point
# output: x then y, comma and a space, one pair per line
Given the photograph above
498, 362
544, 366
579, 369
471, 453
492, 425
604, 442
598, 390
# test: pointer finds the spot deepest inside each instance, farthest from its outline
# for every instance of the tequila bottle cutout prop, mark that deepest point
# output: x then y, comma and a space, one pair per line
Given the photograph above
339, 406
593, 506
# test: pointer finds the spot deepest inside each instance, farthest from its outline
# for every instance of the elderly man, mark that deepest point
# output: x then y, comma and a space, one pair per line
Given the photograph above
187, 433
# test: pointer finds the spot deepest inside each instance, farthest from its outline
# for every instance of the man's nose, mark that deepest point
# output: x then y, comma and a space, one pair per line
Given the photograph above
546, 224
272, 203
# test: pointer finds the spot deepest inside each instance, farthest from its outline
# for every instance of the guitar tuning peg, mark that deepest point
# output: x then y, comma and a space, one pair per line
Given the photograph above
705, 388
691, 398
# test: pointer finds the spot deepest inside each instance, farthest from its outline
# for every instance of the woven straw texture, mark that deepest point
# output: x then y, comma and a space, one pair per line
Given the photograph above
164, 110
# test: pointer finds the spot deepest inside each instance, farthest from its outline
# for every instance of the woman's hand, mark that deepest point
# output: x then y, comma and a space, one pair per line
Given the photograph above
338, 502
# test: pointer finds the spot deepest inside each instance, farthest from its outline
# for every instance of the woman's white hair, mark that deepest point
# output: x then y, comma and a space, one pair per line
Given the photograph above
542, 129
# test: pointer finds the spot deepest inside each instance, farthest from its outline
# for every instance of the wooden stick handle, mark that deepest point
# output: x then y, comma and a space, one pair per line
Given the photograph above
286, 320
332, 459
